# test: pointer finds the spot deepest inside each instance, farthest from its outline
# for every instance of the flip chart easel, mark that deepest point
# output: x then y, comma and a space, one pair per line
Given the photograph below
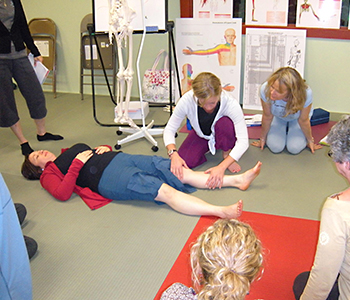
155, 15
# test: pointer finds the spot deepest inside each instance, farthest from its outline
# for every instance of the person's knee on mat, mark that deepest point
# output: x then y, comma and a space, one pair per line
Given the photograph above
299, 284
193, 158
294, 151
223, 122
275, 148
195, 162
294, 148
225, 134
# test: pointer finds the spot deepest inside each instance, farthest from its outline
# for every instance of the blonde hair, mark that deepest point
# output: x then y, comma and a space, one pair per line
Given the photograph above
296, 88
225, 260
205, 86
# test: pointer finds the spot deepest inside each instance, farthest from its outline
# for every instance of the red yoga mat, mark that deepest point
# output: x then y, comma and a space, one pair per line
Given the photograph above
318, 131
289, 248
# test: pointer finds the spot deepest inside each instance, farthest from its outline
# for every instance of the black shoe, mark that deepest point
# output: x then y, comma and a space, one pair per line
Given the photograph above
49, 137
32, 246
21, 212
26, 149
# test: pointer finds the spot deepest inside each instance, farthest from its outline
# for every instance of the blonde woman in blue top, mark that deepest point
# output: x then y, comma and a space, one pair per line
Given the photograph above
287, 108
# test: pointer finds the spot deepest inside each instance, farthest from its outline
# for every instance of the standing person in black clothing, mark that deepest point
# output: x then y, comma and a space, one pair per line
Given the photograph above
14, 36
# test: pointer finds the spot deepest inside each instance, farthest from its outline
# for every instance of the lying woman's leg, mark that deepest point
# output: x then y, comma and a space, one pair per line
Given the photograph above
191, 205
241, 181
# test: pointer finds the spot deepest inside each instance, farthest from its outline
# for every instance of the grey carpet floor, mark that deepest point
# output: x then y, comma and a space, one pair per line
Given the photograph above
125, 249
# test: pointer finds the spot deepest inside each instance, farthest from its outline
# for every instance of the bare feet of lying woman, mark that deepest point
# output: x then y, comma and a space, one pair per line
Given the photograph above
233, 211
243, 181
250, 175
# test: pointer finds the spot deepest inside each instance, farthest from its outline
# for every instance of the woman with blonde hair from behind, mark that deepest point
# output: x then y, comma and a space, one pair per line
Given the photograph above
225, 260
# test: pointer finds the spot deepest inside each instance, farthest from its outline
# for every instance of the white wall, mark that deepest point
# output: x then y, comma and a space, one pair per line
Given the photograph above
326, 70
67, 14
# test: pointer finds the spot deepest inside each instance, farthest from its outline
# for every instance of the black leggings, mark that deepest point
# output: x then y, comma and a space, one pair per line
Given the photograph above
300, 283
21, 70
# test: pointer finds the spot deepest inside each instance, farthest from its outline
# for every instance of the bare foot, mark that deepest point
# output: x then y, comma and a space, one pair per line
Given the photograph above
234, 167
226, 153
248, 176
233, 211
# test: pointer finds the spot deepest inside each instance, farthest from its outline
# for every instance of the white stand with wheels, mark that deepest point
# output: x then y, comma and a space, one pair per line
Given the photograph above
135, 131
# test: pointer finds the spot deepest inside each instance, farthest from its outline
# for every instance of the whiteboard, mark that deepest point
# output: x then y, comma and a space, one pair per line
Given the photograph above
155, 15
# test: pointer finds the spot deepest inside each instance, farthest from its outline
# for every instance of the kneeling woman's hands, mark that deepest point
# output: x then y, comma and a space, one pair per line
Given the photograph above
216, 177
260, 144
177, 165
313, 146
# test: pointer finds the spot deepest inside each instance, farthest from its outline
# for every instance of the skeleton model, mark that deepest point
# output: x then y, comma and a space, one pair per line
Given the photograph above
121, 15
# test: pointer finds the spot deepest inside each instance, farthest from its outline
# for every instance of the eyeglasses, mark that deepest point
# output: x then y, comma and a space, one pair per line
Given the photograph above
330, 153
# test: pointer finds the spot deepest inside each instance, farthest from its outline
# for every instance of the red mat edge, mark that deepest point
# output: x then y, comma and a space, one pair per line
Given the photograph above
318, 131
183, 274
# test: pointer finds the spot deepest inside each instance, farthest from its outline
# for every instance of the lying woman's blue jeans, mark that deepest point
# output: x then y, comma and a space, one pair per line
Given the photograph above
138, 177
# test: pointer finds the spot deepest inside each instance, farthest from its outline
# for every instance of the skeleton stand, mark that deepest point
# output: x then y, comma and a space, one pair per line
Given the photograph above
122, 112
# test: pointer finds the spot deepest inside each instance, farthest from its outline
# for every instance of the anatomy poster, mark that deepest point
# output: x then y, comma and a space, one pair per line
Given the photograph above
212, 8
266, 51
209, 45
319, 13
266, 12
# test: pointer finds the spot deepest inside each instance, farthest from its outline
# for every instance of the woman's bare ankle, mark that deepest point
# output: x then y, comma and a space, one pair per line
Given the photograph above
248, 176
233, 211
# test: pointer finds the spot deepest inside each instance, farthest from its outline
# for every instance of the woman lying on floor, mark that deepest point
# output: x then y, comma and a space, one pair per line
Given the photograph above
99, 175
